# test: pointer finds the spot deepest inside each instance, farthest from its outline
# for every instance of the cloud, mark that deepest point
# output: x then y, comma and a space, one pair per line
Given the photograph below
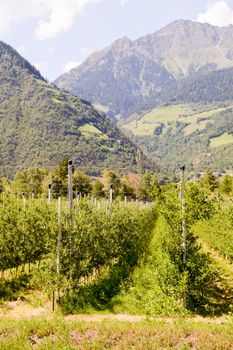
54, 16
124, 2
69, 65
11, 13
85, 51
218, 14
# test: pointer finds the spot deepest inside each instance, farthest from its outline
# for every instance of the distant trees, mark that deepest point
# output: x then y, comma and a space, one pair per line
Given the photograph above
98, 189
82, 183
143, 187
226, 185
209, 181
30, 180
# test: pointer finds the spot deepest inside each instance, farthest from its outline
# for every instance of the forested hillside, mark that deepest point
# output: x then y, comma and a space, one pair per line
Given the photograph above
40, 125
201, 88
198, 135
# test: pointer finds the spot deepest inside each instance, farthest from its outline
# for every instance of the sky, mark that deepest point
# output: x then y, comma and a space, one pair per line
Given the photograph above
57, 35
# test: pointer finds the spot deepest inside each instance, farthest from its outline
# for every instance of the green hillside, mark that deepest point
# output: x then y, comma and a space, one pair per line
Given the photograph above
195, 134
40, 125
204, 87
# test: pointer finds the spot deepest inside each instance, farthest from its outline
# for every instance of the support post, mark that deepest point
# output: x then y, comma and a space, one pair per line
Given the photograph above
184, 230
49, 194
59, 237
70, 184
111, 195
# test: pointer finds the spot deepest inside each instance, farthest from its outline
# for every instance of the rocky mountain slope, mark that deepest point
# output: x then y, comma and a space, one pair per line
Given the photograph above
130, 75
40, 125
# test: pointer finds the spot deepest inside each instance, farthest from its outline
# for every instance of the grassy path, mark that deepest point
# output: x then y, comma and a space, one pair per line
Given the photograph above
223, 293
222, 264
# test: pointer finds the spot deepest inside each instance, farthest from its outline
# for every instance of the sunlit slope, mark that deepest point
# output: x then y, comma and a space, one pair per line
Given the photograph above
40, 124
195, 134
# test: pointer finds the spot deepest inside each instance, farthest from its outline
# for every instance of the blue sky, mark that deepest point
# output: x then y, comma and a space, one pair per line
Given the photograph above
55, 35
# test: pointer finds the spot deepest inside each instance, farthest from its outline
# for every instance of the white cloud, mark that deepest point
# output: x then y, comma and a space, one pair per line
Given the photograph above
85, 51
11, 12
54, 16
69, 65
124, 2
218, 14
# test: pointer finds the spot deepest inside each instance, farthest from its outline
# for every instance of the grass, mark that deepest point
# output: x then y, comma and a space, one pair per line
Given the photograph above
140, 128
194, 126
145, 125
72, 333
166, 114
89, 130
224, 139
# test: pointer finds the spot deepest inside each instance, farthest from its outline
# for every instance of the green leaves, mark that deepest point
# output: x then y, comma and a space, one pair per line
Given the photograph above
196, 274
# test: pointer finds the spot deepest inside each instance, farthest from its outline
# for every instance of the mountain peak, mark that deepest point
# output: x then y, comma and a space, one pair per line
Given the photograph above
128, 73
10, 58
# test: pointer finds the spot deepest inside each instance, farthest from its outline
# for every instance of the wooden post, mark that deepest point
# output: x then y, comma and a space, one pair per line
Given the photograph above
70, 184
184, 229
59, 237
24, 200
111, 194
49, 194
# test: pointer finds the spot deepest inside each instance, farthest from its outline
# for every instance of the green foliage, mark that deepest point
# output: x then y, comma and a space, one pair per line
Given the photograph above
61, 171
100, 243
111, 178
196, 274
217, 231
226, 185
26, 231
82, 183
98, 189
149, 187
30, 180
209, 181
104, 244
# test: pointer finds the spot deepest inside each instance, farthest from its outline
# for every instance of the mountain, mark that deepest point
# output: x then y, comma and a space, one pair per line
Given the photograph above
40, 125
205, 88
119, 78
129, 76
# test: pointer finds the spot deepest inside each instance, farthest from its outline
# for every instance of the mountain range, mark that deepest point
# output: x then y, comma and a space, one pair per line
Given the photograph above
129, 76
168, 94
171, 92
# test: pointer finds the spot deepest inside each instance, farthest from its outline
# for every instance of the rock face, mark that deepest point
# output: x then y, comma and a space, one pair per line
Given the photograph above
40, 125
124, 76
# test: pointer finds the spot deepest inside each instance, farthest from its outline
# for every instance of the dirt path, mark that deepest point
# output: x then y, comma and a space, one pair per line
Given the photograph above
21, 310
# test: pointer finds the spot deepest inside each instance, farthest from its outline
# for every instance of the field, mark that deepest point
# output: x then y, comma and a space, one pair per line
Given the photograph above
110, 275
222, 140
194, 116
88, 130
